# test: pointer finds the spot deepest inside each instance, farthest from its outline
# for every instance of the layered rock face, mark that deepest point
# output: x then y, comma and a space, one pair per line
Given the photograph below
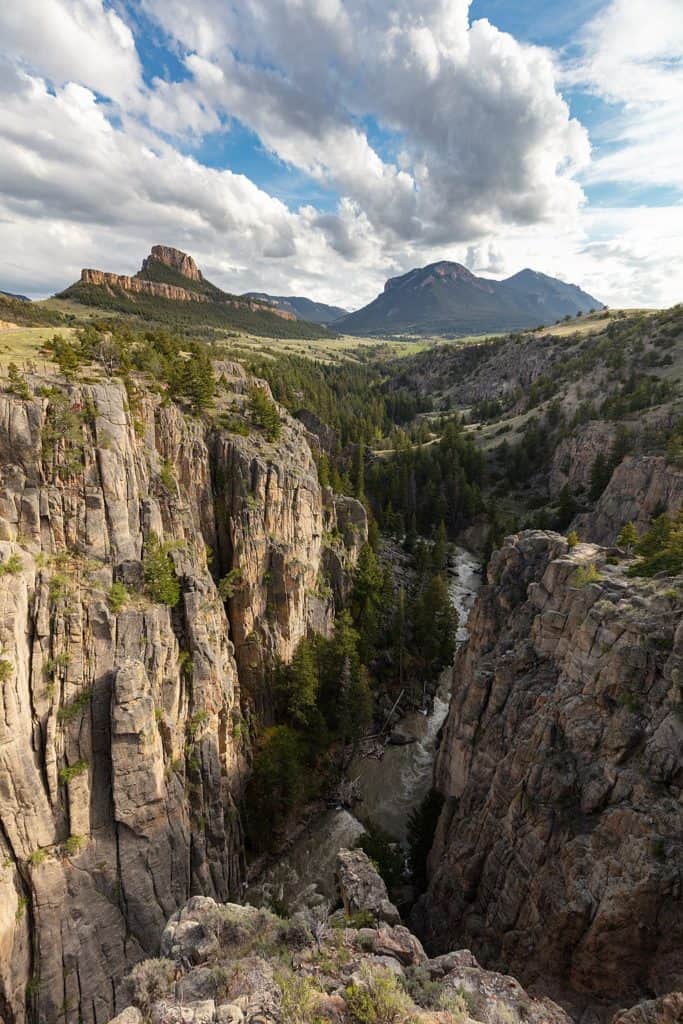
123, 746
559, 852
175, 259
141, 286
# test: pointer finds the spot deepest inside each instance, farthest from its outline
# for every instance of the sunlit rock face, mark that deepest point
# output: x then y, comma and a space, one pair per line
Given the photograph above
124, 730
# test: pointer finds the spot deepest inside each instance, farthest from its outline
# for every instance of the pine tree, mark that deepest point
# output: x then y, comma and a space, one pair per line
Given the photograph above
628, 537
566, 508
265, 413
17, 382
359, 471
440, 549
159, 574
367, 600
299, 683
600, 475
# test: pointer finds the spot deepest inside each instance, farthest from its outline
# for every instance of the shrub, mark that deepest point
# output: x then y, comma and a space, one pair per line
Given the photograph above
12, 566
160, 578
572, 539
628, 537
117, 597
586, 574
73, 709
167, 476
6, 669
37, 857
379, 999
73, 844
17, 383
58, 587
230, 584
361, 919
298, 998
151, 981
70, 772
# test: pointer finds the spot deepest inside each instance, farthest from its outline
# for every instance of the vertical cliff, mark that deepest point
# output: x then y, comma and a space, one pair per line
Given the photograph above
559, 855
124, 722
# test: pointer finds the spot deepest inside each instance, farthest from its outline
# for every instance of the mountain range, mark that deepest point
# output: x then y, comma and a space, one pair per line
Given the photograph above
301, 307
443, 298
447, 298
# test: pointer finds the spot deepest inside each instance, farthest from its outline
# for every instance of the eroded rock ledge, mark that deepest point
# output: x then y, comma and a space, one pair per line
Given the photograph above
559, 853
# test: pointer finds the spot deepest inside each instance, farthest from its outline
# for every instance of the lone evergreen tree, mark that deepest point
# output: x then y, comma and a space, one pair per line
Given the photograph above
628, 537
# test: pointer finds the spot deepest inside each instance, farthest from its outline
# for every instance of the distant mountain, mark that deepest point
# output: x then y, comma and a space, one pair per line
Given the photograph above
12, 295
302, 308
170, 289
446, 298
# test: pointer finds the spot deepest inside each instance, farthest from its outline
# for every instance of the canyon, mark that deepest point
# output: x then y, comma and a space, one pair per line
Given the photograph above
132, 721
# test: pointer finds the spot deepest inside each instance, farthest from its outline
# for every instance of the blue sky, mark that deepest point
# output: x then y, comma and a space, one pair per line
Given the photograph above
321, 146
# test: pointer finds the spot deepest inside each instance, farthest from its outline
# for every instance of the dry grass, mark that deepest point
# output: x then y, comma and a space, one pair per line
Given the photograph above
22, 344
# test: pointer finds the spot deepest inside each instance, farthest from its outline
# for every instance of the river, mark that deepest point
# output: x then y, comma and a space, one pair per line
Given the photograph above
390, 787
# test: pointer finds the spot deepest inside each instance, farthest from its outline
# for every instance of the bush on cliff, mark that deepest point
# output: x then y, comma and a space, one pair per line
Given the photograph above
160, 578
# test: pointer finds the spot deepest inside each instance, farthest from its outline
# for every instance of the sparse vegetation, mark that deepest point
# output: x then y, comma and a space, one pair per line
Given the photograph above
70, 772
380, 999
118, 597
586, 574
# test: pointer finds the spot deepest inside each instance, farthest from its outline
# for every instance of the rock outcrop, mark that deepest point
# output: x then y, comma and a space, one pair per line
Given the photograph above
641, 487
175, 259
138, 285
559, 852
575, 456
124, 723
232, 964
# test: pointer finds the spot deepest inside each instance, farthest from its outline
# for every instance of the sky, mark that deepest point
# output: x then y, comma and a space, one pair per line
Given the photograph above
319, 147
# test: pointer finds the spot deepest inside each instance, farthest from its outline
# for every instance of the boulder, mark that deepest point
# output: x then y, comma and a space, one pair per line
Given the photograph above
362, 889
